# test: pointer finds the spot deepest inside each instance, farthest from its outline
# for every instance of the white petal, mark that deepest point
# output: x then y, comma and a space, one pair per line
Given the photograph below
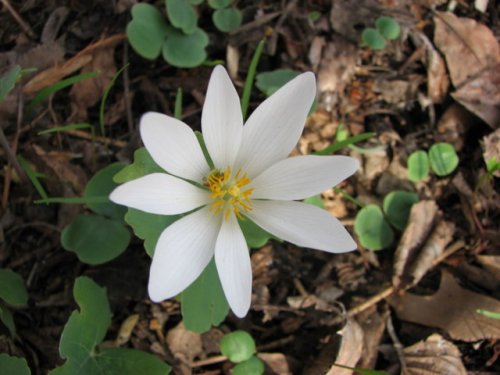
183, 251
160, 193
233, 265
302, 176
221, 120
302, 224
274, 128
173, 146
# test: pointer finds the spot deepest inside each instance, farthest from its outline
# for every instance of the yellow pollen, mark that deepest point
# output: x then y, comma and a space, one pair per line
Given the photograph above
228, 192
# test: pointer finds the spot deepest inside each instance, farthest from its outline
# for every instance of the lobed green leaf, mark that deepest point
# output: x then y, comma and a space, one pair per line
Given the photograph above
227, 19
238, 346
443, 159
12, 288
10, 365
372, 229
418, 166
397, 207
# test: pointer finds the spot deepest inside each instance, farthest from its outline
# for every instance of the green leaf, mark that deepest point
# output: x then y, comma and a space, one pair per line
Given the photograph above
388, 27
13, 365
12, 288
314, 16
270, 82
143, 164
255, 236
315, 200
373, 39
418, 166
196, 2
227, 19
372, 229
101, 185
178, 104
148, 227
252, 366
443, 158
58, 129
147, 31
95, 239
52, 89
102, 105
182, 15
219, 4
185, 51
397, 206
203, 303
492, 165
8, 81
86, 329
8, 320
238, 346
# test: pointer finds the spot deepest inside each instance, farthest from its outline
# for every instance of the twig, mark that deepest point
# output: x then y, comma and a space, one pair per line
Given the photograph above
26, 28
90, 137
208, 361
397, 345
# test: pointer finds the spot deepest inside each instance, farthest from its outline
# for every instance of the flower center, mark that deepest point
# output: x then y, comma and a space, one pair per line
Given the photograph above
228, 192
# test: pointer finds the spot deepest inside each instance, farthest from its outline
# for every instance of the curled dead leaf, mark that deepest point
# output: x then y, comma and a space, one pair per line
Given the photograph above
422, 216
351, 347
453, 309
126, 329
435, 355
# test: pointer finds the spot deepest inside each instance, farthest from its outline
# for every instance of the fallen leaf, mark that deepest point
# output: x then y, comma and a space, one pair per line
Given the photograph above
438, 82
453, 309
435, 355
492, 148
481, 96
184, 345
88, 92
126, 329
453, 124
276, 362
351, 347
373, 324
468, 46
349, 18
419, 225
439, 238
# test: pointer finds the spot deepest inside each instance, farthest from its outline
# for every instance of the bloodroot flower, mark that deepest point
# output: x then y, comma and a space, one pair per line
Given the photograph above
252, 178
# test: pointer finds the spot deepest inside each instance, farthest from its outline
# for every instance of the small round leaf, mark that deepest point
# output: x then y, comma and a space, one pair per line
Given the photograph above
269, 82
95, 239
418, 166
373, 39
443, 158
397, 206
372, 229
185, 51
100, 186
219, 4
252, 366
12, 288
147, 31
388, 27
238, 346
182, 15
227, 19
13, 365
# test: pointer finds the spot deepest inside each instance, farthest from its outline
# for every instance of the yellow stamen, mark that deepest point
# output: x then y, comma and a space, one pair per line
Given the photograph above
227, 193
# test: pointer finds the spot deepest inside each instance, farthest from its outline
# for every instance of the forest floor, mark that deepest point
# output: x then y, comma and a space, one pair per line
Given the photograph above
409, 308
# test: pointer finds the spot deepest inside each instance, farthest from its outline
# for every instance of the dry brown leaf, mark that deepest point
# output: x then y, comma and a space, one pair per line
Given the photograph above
453, 309
373, 325
481, 96
435, 355
349, 17
351, 347
419, 225
438, 82
453, 124
469, 47
58, 72
88, 92
433, 247
492, 148
276, 362
126, 329
491, 263
184, 345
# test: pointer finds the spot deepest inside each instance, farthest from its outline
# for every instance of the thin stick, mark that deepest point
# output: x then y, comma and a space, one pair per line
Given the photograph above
26, 28
103, 140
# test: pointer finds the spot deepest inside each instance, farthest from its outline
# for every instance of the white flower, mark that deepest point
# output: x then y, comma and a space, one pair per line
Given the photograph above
252, 178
